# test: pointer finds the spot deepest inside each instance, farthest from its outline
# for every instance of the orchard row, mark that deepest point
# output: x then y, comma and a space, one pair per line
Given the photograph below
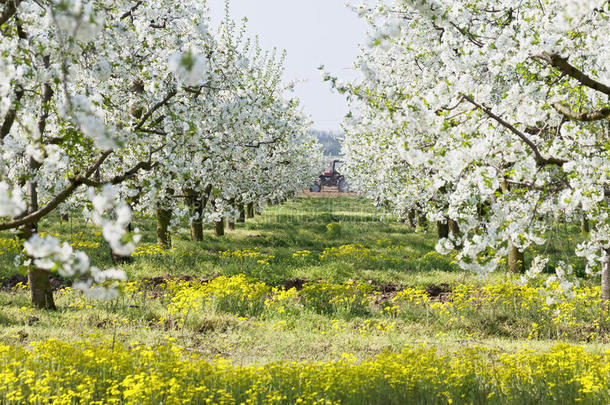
491, 119
110, 107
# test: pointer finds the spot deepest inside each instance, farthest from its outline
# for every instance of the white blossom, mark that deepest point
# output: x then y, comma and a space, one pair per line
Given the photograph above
11, 203
189, 67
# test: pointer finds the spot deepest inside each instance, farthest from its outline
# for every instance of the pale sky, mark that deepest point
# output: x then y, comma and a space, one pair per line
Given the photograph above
314, 33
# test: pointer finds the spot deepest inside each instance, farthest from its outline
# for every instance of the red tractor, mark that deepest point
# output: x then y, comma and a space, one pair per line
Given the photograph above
330, 179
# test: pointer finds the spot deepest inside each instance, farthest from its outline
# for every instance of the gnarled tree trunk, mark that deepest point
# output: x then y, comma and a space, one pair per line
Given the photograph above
584, 224
422, 221
219, 228
242, 213
197, 229
412, 218
250, 210
195, 204
454, 231
119, 259
230, 223
454, 228
40, 287
164, 217
38, 279
442, 229
516, 259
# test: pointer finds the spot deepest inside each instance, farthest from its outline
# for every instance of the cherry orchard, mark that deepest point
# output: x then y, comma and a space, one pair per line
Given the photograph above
493, 114
249, 134
94, 93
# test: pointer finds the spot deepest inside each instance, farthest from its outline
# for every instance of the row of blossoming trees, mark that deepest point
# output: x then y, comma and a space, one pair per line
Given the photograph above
490, 115
111, 107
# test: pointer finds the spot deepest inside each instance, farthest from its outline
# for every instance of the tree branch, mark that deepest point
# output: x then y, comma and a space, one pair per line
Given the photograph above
148, 165
601, 114
131, 10
259, 143
541, 160
9, 10
153, 131
11, 114
59, 198
469, 35
144, 164
47, 93
72, 186
154, 108
563, 66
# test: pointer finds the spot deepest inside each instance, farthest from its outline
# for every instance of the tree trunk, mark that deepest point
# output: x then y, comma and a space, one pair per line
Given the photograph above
40, 287
516, 259
250, 210
118, 259
219, 228
584, 224
230, 223
164, 217
198, 203
242, 213
197, 230
196, 208
454, 230
38, 279
482, 209
606, 281
443, 229
412, 219
422, 221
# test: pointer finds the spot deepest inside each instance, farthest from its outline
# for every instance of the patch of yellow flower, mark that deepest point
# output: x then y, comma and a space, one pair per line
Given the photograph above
349, 298
243, 296
84, 244
358, 252
8, 246
301, 253
352, 250
387, 244
237, 294
56, 372
521, 303
381, 327
143, 250
243, 255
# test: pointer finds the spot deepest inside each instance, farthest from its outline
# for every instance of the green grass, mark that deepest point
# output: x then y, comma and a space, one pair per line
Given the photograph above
277, 234
347, 261
280, 231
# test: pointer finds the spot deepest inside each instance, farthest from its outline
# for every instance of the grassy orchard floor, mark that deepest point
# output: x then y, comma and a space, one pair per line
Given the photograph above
403, 295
